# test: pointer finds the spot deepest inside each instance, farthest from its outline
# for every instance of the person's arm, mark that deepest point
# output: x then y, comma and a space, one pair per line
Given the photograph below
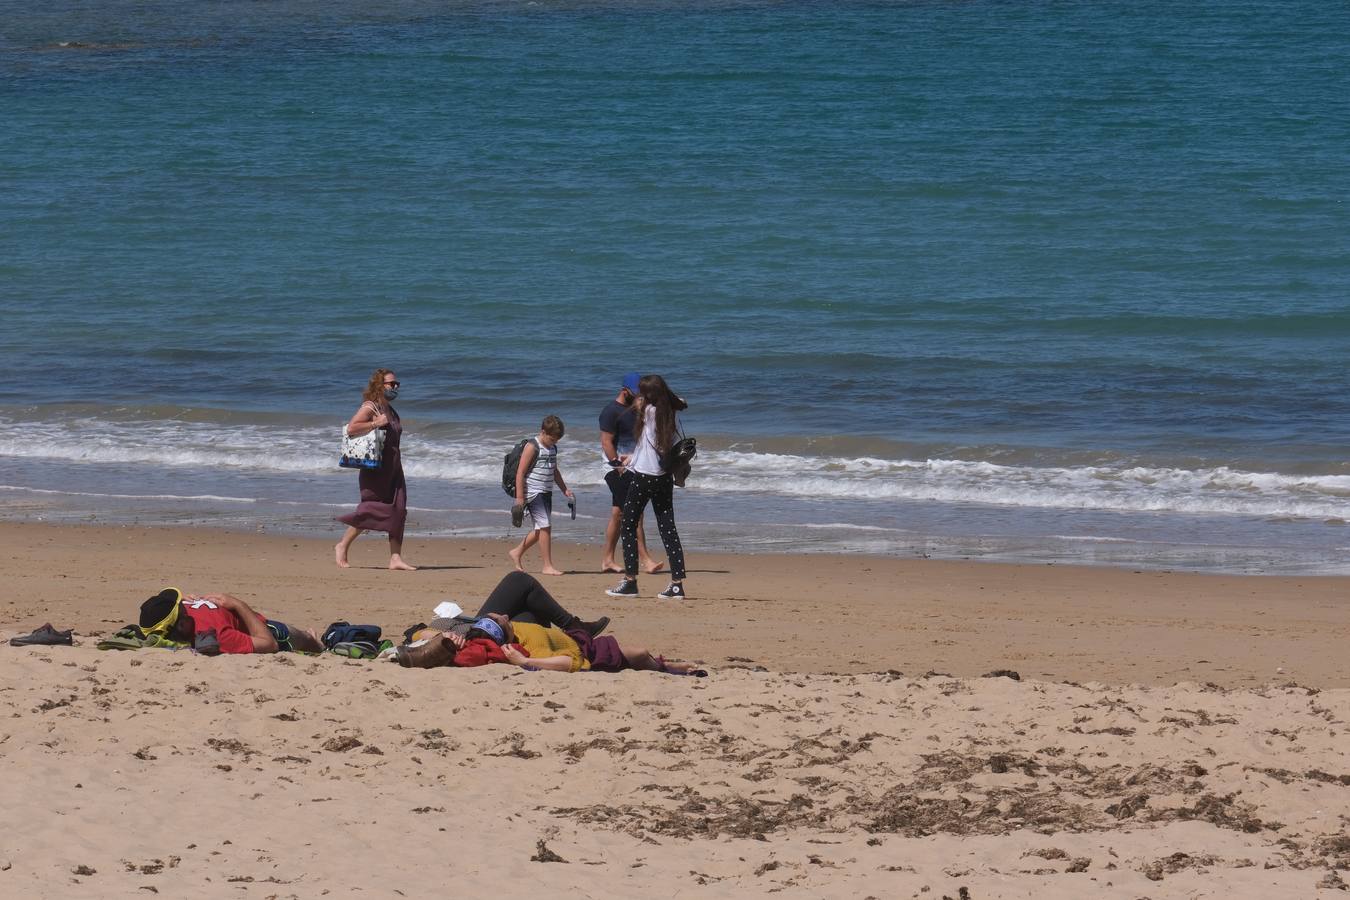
558, 480
527, 457
608, 446
551, 663
366, 420
254, 624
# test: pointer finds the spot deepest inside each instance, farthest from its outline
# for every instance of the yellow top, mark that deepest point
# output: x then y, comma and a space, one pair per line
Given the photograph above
543, 642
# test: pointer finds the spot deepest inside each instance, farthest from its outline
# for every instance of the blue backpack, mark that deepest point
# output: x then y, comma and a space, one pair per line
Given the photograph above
346, 633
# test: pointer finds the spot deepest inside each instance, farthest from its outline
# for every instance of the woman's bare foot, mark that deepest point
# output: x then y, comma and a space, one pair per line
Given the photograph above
515, 553
653, 567
341, 554
552, 571
397, 564
611, 566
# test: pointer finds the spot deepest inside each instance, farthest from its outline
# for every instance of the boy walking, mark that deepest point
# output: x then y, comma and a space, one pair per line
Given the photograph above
535, 478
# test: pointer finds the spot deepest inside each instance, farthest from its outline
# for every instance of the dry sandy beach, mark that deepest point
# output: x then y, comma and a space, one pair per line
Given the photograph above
1172, 735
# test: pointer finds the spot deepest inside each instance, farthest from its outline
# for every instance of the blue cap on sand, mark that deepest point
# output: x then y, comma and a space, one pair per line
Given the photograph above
630, 381
491, 629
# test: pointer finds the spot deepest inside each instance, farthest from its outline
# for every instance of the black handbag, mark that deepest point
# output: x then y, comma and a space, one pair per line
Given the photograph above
676, 459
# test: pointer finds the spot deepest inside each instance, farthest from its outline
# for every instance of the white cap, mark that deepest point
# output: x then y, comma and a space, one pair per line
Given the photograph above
447, 609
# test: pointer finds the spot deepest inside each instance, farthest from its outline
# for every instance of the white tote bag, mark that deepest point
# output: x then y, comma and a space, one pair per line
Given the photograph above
364, 452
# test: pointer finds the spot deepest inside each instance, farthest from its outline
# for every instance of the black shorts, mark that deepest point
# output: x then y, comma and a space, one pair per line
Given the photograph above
618, 487
282, 632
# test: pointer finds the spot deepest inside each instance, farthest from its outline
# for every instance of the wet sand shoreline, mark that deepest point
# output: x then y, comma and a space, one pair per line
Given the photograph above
809, 613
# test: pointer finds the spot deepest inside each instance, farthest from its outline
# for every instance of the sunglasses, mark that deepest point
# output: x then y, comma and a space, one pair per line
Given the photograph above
392, 384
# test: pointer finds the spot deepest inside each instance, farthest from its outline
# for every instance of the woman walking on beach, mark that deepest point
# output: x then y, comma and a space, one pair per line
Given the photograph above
384, 493
654, 433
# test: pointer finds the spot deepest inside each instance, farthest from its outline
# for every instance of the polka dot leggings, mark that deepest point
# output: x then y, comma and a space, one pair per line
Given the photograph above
659, 489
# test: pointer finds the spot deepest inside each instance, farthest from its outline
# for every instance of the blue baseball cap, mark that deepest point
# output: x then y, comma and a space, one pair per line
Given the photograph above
630, 381
491, 629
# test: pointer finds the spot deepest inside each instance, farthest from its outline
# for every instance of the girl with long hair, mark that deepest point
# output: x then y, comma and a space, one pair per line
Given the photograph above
654, 432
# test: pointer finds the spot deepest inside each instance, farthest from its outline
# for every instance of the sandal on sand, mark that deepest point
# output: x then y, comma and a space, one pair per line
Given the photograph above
44, 636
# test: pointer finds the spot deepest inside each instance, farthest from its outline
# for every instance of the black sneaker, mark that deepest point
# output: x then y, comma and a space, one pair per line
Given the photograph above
44, 635
674, 592
625, 588
594, 628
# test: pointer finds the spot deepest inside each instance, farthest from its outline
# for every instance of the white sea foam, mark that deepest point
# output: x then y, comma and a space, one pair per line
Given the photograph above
210, 498
476, 459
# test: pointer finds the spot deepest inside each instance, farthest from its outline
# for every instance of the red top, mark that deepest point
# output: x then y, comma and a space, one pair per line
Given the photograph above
205, 615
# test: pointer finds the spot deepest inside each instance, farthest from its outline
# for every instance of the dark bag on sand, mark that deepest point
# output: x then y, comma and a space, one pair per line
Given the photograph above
511, 465
346, 632
676, 459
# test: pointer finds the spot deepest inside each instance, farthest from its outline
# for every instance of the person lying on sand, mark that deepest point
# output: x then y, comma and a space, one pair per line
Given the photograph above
496, 638
518, 596
236, 626
574, 651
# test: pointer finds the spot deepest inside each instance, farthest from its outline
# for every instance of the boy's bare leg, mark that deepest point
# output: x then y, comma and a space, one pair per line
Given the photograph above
517, 553
546, 551
343, 545
396, 556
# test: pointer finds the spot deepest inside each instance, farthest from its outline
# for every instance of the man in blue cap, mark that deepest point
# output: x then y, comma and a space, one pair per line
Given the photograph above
617, 421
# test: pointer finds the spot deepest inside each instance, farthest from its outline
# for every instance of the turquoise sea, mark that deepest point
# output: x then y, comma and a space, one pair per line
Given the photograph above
1058, 281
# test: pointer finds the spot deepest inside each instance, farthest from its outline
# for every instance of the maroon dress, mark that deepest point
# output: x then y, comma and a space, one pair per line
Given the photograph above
384, 493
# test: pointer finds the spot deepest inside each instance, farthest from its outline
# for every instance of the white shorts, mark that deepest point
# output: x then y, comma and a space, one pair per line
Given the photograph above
540, 509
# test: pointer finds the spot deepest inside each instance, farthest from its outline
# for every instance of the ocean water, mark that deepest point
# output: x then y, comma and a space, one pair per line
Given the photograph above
1051, 281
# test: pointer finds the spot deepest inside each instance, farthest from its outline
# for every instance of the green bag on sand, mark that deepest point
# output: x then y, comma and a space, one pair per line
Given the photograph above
155, 639
129, 638
133, 638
